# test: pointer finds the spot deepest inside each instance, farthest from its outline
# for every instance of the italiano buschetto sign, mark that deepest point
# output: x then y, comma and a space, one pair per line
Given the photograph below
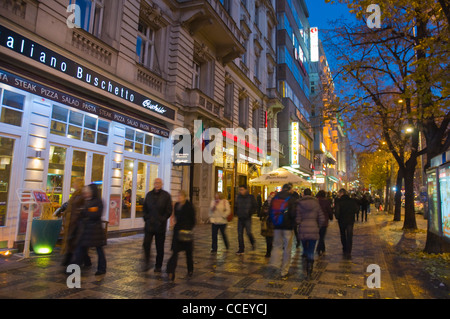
33, 50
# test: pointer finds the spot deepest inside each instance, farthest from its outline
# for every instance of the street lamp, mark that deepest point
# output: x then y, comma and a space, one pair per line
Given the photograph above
409, 129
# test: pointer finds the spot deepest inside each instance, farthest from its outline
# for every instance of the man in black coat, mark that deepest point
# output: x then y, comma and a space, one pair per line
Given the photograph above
244, 208
157, 210
346, 209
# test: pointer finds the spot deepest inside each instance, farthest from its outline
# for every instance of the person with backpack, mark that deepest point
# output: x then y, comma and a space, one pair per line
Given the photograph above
310, 218
282, 215
245, 207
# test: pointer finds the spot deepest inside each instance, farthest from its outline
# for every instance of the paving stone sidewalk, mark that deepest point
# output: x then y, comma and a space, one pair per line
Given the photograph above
227, 276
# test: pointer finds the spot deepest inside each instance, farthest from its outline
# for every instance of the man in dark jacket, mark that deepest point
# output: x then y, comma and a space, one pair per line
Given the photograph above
157, 210
283, 233
244, 208
346, 209
325, 205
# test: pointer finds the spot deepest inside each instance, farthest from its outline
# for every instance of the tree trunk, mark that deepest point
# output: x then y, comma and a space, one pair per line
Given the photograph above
410, 214
398, 196
388, 190
435, 244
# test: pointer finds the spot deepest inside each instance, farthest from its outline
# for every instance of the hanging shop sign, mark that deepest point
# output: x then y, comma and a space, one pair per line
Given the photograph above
294, 144
33, 50
61, 97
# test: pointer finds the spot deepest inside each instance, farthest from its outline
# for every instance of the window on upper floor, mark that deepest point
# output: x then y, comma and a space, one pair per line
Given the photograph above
91, 15
229, 99
145, 47
243, 111
203, 74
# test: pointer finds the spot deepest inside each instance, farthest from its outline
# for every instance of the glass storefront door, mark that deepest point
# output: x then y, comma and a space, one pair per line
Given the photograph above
67, 161
138, 180
6, 160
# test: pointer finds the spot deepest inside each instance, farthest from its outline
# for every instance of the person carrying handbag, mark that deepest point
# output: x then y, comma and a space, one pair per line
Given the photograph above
267, 225
182, 235
218, 216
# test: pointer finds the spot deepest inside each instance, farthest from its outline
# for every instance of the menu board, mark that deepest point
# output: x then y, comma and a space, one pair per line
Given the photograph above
433, 202
444, 185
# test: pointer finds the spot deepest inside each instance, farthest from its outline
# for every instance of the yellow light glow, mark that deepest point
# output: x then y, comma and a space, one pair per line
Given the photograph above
43, 250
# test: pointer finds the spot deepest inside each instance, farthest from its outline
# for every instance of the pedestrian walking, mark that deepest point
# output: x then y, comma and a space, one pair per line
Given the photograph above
364, 202
267, 225
91, 232
310, 218
258, 204
294, 193
245, 207
325, 205
346, 209
218, 216
70, 211
282, 215
157, 210
182, 235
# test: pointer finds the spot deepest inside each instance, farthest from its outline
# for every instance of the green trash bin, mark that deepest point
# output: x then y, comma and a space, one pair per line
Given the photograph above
44, 235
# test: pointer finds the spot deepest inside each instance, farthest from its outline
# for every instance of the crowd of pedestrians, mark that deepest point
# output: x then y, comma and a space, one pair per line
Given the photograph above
83, 227
285, 216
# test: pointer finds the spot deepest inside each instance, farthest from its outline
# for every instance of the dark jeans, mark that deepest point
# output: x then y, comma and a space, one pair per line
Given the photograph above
159, 241
269, 244
308, 246
321, 244
364, 214
247, 225
215, 230
178, 246
82, 257
346, 231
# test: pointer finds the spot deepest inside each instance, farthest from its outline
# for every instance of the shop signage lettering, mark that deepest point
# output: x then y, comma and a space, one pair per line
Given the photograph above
39, 53
46, 92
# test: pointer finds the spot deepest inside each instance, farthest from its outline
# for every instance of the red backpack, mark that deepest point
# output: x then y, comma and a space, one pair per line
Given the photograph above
278, 209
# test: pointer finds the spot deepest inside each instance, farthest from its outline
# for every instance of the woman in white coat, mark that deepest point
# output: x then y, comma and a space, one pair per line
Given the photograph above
218, 216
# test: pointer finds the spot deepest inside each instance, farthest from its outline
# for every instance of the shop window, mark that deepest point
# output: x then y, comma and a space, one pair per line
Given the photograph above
142, 143
6, 160
78, 125
12, 108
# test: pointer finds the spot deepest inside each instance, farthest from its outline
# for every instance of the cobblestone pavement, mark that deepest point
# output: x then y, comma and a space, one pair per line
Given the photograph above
227, 276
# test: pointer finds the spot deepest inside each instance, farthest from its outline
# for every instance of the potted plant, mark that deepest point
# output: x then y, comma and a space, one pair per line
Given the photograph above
45, 230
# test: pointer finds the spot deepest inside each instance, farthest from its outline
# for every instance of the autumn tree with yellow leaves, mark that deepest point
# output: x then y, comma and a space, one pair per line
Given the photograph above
396, 77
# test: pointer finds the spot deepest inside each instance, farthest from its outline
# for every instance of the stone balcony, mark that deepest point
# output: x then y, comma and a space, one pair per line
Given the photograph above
197, 101
210, 19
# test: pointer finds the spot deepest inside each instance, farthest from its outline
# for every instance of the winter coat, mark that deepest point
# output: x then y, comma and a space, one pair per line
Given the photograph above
157, 210
245, 206
219, 212
346, 209
289, 219
266, 224
91, 229
310, 218
71, 213
326, 208
184, 220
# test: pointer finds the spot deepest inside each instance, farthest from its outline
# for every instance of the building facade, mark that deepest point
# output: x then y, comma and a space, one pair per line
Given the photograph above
293, 72
331, 143
93, 89
223, 77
